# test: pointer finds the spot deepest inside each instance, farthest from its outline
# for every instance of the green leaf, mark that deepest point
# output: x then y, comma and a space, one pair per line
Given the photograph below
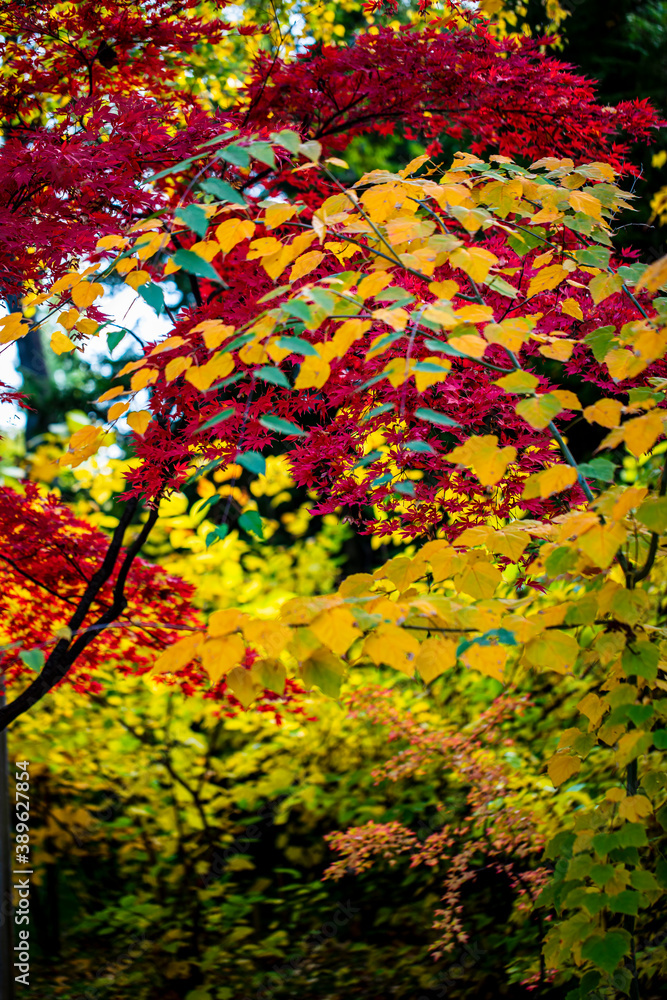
172, 170
263, 151
287, 139
626, 901
297, 308
281, 426
194, 264
443, 347
606, 951
251, 521
238, 342
32, 658
297, 345
405, 487
219, 138
195, 218
222, 191
218, 418
238, 156
217, 534
377, 410
660, 739
600, 341
653, 513
325, 670
594, 257
420, 446
599, 468
632, 835
641, 660
152, 296
253, 462
274, 375
115, 337
435, 418
367, 459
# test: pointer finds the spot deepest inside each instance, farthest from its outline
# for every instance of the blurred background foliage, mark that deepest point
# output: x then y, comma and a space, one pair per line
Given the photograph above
180, 852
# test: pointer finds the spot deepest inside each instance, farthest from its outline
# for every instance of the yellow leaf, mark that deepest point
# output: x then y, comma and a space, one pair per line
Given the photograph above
306, 263
87, 326
484, 457
488, 660
313, 373
641, 433
118, 390
552, 650
635, 808
275, 215
655, 276
606, 412
435, 656
134, 279
167, 345
139, 421
269, 635
511, 333
623, 364
582, 201
263, 246
561, 767
85, 293
593, 707
571, 308
539, 411
559, 350
220, 655
176, 367
393, 646
479, 579
205, 375
546, 279
336, 629
567, 399
13, 327
142, 378
372, 284
603, 285
425, 379
470, 344
111, 243
206, 249
397, 319
68, 319
61, 343
552, 480
224, 622
239, 682
443, 289
233, 231
518, 381
117, 410
474, 314
475, 261
601, 543
214, 332
178, 655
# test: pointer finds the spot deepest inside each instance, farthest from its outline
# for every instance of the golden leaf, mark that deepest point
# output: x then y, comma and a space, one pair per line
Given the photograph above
571, 308
117, 410
139, 421
60, 343
219, 656
635, 808
603, 285
217, 368
306, 263
601, 543
655, 276
336, 629
539, 411
561, 767
178, 655
85, 293
488, 660
641, 433
313, 373
393, 646
482, 454
435, 656
547, 278
606, 412
269, 635
239, 682
552, 650
224, 622
233, 231
176, 367
479, 579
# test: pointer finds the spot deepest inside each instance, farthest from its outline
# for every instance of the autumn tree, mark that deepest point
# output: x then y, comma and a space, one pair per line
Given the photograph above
425, 345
